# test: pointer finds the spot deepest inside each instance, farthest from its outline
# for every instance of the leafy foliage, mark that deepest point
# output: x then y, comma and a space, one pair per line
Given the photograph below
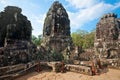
37, 40
83, 38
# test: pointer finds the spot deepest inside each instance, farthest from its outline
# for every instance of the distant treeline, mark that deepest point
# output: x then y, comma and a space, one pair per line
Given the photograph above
83, 38
80, 38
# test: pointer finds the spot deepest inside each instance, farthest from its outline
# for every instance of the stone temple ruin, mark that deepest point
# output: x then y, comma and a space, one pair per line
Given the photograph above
56, 30
18, 54
107, 38
15, 37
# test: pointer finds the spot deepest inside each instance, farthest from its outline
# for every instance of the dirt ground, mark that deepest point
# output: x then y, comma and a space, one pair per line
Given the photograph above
111, 74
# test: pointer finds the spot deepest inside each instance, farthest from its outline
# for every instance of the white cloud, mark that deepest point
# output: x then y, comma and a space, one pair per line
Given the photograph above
2, 2
89, 11
81, 4
117, 5
38, 22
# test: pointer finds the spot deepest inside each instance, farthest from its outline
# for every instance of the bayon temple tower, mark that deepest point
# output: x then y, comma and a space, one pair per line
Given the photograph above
56, 30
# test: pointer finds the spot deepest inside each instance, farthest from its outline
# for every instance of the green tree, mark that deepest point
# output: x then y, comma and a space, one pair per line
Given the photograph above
89, 40
78, 37
83, 38
37, 40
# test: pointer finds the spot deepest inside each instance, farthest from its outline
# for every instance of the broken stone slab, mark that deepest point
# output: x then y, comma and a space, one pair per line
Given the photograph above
79, 69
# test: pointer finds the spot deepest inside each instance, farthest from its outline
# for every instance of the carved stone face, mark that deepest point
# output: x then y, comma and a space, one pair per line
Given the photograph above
114, 32
107, 29
14, 25
107, 32
57, 22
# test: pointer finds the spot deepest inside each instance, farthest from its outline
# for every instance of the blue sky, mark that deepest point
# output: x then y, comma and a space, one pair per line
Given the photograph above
83, 14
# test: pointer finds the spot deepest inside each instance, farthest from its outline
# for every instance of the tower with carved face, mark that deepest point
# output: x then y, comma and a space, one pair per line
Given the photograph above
56, 30
107, 38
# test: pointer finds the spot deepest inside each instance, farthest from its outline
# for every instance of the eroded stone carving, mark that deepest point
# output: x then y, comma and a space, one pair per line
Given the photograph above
107, 38
56, 30
14, 25
15, 38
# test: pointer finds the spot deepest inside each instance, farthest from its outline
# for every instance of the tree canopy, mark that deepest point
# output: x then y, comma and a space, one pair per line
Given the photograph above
83, 38
37, 40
